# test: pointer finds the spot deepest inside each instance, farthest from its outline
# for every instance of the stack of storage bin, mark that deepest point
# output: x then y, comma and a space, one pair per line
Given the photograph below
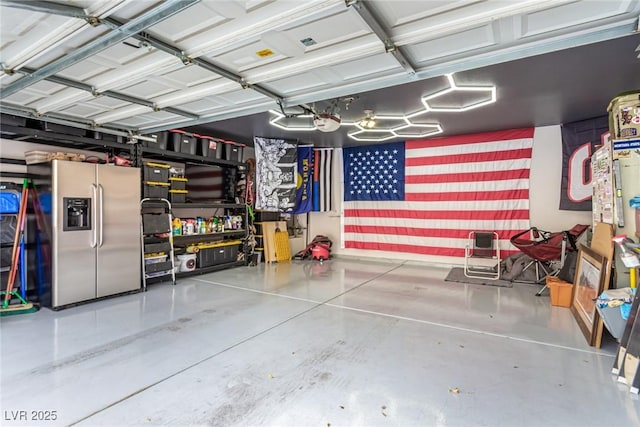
156, 180
178, 192
209, 146
180, 141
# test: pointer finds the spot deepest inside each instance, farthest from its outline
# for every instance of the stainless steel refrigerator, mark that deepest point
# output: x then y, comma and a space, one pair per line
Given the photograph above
88, 239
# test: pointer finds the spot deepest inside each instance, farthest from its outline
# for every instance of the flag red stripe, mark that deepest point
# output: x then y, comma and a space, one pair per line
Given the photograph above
468, 177
471, 138
414, 249
449, 233
444, 214
466, 196
316, 168
492, 156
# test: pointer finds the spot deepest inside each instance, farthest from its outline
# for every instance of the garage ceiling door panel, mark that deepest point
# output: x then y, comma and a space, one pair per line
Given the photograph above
23, 98
106, 103
84, 70
403, 12
460, 19
296, 84
31, 34
196, 92
331, 29
183, 25
148, 89
572, 14
343, 53
45, 88
78, 39
247, 28
150, 118
190, 76
202, 106
464, 41
246, 57
241, 96
130, 112
125, 53
137, 71
61, 99
372, 65
83, 110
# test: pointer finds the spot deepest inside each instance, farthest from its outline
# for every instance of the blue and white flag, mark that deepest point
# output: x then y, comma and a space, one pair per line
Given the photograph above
305, 179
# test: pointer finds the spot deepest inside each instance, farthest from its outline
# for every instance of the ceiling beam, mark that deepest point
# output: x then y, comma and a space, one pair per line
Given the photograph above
113, 94
134, 26
374, 23
48, 7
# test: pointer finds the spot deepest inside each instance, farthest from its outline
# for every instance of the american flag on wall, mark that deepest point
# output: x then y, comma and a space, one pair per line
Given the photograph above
425, 196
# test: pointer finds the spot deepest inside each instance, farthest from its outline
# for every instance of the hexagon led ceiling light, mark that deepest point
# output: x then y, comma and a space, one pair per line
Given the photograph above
490, 92
386, 129
394, 126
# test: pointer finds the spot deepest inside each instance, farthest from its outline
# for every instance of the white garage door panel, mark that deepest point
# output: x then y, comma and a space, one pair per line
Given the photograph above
571, 14
342, 55
464, 41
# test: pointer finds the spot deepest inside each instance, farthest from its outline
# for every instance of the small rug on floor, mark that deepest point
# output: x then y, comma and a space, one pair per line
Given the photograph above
457, 275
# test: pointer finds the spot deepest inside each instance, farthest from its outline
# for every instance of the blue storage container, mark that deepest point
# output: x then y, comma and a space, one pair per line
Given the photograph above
9, 202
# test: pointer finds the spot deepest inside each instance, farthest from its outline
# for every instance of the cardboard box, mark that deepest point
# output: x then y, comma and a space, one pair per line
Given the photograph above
624, 116
560, 291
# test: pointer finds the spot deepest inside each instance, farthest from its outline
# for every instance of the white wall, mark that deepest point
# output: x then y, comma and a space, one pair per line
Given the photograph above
544, 196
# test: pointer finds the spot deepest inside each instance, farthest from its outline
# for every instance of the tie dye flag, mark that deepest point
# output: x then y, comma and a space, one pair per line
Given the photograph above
276, 174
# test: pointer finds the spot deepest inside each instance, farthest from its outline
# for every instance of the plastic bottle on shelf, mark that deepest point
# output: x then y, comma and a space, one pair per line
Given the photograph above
177, 227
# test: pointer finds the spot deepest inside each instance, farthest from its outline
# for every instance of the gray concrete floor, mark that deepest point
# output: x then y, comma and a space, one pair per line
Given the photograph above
343, 343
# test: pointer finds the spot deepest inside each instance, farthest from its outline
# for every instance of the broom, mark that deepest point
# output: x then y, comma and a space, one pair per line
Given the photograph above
24, 306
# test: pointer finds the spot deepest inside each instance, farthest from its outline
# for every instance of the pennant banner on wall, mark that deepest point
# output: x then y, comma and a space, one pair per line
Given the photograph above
579, 140
276, 174
322, 170
425, 196
305, 178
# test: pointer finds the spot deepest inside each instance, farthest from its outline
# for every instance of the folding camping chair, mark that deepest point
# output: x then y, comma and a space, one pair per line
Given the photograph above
547, 250
482, 245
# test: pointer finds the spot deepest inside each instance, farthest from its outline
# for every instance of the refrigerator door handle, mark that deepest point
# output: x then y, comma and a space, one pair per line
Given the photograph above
101, 196
94, 220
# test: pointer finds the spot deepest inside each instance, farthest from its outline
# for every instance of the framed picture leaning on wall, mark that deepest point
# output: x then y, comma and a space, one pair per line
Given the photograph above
588, 283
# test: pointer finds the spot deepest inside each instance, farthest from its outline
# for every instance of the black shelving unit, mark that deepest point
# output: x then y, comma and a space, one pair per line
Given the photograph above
47, 137
158, 154
219, 241
186, 239
211, 269
156, 239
